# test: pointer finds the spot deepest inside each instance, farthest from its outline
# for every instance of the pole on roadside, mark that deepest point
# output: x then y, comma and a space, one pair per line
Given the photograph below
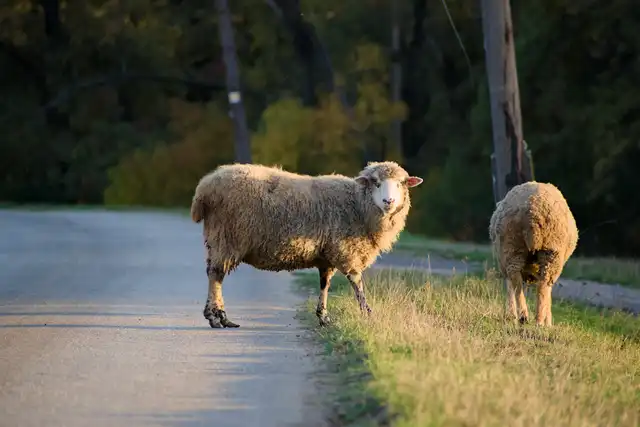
510, 162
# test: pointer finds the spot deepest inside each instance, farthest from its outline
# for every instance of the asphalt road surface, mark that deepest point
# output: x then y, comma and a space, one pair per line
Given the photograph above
101, 325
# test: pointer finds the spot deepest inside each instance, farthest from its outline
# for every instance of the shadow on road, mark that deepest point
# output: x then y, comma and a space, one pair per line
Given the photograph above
101, 324
232, 407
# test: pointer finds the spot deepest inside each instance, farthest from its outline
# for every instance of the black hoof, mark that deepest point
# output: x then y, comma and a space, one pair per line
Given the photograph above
229, 324
219, 319
324, 320
208, 311
214, 322
366, 309
523, 320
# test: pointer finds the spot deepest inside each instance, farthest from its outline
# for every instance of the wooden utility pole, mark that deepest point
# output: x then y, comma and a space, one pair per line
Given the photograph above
236, 106
511, 162
508, 168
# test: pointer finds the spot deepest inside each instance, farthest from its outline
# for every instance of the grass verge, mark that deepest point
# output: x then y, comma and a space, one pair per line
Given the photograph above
602, 269
437, 353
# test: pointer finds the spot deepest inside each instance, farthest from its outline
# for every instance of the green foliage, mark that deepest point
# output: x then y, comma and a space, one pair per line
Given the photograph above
306, 139
111, 73
438, 210
167, 174
326, 138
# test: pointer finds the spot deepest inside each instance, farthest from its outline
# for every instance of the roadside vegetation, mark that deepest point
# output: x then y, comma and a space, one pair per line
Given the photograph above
434, 355
598, 269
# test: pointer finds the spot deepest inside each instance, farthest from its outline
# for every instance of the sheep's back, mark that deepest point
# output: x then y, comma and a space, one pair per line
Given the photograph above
276, 219
540, 213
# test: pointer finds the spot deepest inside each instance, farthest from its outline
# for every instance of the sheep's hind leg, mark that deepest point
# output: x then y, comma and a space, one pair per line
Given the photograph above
549, 274
357, 282
325, 282
523, 309
214, 308
511, 307
517, 309
543, 308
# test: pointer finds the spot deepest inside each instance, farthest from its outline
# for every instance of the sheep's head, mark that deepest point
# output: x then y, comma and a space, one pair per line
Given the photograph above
388, 184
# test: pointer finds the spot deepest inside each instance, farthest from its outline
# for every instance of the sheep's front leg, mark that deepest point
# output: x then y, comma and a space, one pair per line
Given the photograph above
214, 308
357, 282
325, 282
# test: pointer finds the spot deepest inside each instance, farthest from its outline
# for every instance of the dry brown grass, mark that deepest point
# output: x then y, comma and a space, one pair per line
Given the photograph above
440, 355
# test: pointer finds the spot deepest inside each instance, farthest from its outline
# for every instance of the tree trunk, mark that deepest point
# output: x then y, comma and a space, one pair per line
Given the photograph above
416, 101
52, 26
314, 56
309, 49
56, 40
396, 74
236, 111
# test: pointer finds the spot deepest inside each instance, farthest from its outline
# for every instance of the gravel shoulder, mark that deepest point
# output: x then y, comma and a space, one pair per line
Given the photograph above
598, 294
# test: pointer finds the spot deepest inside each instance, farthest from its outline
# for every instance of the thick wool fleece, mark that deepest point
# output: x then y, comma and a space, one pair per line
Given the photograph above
533, 217
277, 220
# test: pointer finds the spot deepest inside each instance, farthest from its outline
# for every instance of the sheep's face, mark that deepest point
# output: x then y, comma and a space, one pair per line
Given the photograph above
388, 186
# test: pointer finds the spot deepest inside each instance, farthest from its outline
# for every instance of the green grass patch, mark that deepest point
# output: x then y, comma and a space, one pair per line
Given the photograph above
422, 246
346, 377
349, 396
438, 353
604, 269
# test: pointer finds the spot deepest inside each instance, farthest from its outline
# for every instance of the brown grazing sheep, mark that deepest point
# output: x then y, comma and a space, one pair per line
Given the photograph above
276, 220
533, 234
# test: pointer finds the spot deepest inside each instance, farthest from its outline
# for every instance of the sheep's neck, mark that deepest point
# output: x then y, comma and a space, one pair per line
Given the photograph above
384, 231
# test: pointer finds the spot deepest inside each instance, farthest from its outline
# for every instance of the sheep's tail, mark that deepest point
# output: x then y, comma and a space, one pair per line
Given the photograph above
197, 208
533, 236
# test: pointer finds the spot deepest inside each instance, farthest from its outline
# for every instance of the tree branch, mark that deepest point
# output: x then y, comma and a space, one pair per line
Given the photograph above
30, 67
272, 4
119, 78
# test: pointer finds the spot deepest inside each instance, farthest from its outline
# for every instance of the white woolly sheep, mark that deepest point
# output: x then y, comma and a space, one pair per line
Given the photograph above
276, 220
533, 234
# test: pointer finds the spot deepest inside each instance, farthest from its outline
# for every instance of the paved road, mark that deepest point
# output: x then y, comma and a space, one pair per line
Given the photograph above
101, 325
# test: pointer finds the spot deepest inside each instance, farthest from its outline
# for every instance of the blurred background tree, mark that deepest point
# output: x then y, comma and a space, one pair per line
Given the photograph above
124, 102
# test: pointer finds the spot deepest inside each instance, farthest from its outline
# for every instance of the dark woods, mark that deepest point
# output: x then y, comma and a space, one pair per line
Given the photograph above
124, 102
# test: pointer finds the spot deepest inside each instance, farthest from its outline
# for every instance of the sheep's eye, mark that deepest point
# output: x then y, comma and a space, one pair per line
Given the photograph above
377, 184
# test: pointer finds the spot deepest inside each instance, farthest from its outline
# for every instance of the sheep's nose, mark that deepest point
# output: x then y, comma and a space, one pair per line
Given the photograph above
388, 201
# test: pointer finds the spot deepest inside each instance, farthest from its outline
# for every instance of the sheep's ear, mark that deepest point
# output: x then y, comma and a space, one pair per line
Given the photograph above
414, 181
362, 180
